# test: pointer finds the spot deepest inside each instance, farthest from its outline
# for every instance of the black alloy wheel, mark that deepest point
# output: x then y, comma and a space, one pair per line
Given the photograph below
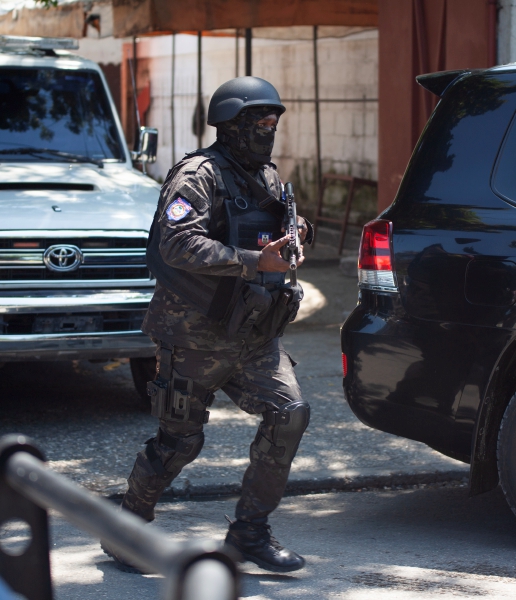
506, 454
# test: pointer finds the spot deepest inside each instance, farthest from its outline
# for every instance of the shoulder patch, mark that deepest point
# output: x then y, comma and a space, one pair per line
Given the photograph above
178, 209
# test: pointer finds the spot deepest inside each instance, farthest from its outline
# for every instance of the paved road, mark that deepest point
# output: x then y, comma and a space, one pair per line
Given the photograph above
89, 423
391, 543
383, 544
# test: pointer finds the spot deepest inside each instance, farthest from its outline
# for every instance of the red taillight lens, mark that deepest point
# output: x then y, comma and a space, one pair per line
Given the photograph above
375, 246
344, 365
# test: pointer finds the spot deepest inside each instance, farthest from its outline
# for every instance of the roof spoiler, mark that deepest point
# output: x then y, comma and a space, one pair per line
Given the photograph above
438, 82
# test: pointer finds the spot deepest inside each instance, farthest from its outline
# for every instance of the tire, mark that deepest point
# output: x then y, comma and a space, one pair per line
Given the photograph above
143, 370
506, 454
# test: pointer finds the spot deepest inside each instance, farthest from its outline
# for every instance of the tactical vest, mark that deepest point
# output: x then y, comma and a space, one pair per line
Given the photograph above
251, 223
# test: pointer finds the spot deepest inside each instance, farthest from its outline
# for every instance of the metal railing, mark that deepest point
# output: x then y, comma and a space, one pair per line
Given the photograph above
354, 182
193, 570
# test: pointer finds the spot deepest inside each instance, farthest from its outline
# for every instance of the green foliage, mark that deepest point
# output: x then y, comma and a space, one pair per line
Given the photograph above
47, 3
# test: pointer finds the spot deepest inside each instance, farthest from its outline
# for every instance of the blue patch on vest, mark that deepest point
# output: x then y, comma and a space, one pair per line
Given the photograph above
178, 209
264, 238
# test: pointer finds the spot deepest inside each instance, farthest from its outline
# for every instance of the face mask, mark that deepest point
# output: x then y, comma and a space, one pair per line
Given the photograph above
249, 143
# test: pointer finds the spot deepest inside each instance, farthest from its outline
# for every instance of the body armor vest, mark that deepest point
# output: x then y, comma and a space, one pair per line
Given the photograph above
248, 226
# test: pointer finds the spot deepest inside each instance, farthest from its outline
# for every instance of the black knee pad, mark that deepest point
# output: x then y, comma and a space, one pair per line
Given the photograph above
288, 425
182, 451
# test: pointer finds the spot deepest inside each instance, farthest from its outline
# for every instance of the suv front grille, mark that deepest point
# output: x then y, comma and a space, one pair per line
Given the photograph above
102, 256
42, 243
106, 321
82, 274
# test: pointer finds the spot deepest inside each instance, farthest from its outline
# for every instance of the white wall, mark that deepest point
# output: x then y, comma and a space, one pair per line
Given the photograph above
101, 50
348, 68
506, 31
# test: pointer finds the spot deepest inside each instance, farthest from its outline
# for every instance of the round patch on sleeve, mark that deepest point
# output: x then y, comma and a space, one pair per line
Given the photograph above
178, 209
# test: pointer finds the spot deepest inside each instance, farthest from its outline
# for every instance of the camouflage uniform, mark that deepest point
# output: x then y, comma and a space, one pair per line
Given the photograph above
185, 245
254, 378
256, 373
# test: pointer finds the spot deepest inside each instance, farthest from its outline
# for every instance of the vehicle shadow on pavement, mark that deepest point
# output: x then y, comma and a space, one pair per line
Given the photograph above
61, 387
87, 418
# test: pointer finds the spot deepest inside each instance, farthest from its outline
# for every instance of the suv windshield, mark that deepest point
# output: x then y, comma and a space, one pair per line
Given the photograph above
54, 115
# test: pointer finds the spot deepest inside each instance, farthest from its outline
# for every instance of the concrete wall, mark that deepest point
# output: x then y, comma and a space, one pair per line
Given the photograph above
506, 31
348, 69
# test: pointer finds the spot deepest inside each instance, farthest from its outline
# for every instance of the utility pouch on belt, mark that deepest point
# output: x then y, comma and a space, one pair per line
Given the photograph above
286, 301
170, 394
250, 306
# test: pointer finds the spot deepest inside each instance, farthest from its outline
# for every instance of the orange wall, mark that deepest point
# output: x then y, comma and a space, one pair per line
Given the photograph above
418, 36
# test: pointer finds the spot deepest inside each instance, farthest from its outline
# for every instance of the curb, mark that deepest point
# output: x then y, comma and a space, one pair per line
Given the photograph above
326, 484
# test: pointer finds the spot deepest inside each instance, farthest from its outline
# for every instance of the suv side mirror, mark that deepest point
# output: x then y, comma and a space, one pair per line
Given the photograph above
147, 146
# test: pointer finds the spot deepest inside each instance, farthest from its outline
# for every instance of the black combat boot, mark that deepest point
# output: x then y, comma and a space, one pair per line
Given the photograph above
120, 563
256, 544
143, 510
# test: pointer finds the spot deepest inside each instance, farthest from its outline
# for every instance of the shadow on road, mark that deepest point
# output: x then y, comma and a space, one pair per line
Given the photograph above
410, 544
46, 389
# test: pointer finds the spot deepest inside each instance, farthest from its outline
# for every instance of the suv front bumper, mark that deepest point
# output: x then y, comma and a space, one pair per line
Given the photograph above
119, 311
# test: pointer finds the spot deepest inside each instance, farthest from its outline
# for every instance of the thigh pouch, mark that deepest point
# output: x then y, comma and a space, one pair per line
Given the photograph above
171, 394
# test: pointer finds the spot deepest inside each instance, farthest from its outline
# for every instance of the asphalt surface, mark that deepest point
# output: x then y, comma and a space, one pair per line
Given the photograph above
90, 425
89, 421
397, 535
379, 544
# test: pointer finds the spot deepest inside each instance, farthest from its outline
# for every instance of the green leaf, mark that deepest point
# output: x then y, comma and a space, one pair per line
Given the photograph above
47, 3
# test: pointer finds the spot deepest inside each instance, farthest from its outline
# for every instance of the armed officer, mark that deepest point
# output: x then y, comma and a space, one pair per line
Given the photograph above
220, 305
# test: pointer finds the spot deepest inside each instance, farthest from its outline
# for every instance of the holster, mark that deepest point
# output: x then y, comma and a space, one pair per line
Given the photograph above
171, 393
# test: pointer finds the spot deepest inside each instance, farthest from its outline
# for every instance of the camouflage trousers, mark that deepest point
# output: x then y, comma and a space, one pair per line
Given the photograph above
258, 381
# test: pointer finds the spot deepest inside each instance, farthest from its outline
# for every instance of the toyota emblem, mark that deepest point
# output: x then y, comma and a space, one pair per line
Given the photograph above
61, 258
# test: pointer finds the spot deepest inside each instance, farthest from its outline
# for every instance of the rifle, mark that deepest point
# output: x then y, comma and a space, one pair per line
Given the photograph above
292, 248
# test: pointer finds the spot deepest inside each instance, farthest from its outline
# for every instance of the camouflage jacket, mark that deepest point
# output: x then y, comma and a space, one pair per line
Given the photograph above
192, 220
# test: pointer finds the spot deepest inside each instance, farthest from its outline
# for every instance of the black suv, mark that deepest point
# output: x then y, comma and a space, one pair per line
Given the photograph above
429, 353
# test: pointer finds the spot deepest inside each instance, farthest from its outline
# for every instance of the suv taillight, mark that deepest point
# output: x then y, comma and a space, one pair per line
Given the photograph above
375, 270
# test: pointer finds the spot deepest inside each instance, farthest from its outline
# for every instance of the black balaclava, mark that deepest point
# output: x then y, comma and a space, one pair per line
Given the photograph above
248, 142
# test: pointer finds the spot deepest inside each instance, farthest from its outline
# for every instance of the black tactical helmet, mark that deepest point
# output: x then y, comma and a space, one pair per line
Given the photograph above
234, 95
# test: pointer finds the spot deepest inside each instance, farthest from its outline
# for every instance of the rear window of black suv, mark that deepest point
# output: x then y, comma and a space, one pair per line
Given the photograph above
454, 158
504, 175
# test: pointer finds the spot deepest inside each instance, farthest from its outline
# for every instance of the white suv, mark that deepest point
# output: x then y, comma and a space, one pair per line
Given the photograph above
74, 213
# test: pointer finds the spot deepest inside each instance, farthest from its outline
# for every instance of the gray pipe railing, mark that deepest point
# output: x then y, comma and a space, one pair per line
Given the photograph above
193, 570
